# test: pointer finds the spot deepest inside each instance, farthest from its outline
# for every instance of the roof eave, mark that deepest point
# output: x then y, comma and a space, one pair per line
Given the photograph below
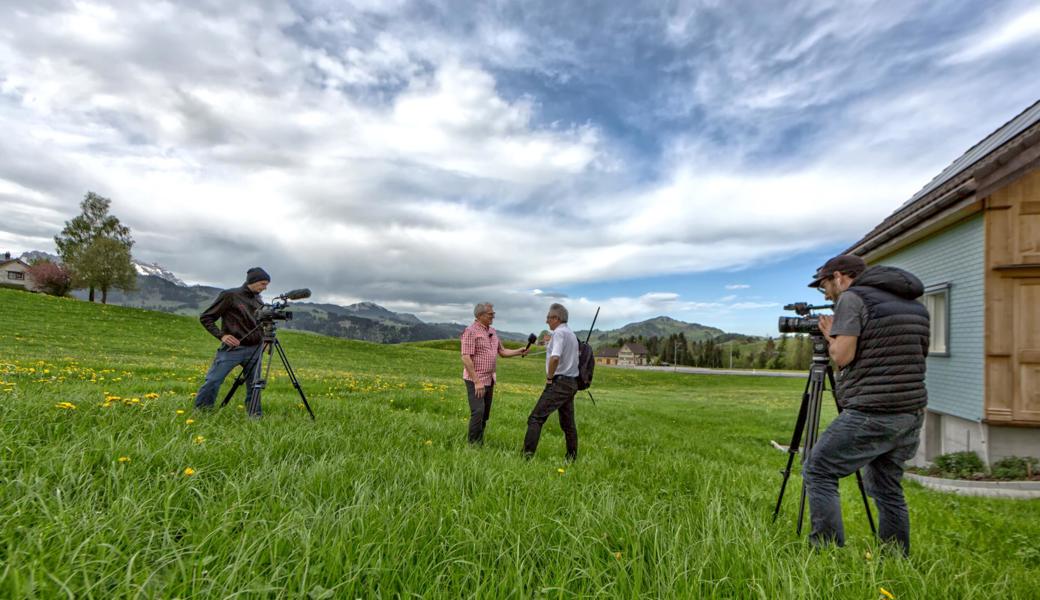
961, 196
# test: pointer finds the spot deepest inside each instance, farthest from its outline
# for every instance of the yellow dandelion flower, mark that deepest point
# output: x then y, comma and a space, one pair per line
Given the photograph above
151, 395
188, 471
135, 400
199, 439
124, 459
617, 555
561, 471
887, 594
428, 442
867, 555
65, 405
180, 411
189, 421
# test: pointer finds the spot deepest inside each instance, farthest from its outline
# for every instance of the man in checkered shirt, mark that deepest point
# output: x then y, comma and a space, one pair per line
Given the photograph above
480, 349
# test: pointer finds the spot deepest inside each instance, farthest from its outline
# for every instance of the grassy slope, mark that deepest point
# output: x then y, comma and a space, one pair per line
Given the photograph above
380, 497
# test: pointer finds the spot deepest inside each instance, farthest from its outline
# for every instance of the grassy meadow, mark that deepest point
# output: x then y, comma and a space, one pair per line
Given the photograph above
112, 487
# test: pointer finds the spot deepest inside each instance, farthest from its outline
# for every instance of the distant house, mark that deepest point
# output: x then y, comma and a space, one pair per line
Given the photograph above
632, 355
607, 356
973, 237
14, 272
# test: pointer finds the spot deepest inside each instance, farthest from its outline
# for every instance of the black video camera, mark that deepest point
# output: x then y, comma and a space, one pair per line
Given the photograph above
275, 311
806, 322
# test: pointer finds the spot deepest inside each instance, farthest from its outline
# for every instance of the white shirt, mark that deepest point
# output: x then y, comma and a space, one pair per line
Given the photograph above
563, 344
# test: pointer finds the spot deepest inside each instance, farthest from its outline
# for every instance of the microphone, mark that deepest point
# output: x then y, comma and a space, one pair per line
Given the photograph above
296, 294
530, 340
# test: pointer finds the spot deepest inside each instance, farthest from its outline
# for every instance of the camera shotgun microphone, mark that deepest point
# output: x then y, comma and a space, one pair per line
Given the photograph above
530, 340
297, 294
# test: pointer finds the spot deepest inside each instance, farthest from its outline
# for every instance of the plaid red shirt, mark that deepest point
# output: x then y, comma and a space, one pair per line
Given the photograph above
482, 344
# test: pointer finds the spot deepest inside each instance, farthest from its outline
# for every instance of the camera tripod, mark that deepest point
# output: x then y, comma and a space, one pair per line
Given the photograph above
270, 344
820, 374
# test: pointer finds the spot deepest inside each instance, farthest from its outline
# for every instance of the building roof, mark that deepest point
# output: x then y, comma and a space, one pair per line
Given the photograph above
954, 184
4, 263
634, 348
607, 353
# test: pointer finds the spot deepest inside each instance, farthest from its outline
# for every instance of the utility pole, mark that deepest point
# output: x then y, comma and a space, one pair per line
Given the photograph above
676, 355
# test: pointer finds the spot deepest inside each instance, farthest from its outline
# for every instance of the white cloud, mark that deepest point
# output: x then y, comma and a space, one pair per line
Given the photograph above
1018, 30
427, 164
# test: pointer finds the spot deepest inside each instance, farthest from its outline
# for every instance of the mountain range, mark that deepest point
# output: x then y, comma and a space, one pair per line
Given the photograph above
160, 289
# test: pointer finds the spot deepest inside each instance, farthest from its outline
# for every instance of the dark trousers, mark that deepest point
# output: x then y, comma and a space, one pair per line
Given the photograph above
479, 411
877, 443
558, 396
223, 363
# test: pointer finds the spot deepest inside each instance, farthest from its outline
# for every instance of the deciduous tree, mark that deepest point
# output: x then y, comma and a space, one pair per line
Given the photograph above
92, 223
105, 264
50, 278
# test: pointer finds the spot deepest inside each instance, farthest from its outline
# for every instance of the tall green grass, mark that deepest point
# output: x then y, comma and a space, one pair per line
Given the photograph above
381, 497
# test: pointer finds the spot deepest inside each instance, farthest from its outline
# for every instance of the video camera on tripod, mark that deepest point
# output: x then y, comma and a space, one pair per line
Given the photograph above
266, 316
275, 311
807, 426
806, 322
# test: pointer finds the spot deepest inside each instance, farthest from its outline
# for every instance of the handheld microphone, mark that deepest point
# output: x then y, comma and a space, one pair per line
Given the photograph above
530, 340
297, 294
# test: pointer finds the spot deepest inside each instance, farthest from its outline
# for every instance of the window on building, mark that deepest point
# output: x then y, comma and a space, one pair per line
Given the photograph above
937, 300
15, 275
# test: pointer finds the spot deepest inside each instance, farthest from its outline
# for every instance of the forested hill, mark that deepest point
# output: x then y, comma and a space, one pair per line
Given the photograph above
660, 327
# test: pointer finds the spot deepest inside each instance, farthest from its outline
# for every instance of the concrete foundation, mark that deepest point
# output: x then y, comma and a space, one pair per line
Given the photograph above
943, 434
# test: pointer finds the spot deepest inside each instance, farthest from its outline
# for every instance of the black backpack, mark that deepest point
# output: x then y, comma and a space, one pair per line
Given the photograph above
586, 365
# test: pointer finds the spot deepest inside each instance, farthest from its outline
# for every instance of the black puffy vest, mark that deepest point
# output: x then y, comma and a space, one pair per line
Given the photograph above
887, 374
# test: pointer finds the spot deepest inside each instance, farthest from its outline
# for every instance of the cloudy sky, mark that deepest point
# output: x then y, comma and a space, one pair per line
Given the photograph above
694, 159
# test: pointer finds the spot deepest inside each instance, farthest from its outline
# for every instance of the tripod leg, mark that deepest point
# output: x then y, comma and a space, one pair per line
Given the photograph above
816, 378
859, 476
866, 503
292, 377
253, 407
792, 449
590, 396
234, 388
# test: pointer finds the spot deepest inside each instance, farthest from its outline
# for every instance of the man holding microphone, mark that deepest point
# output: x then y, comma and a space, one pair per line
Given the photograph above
480, 349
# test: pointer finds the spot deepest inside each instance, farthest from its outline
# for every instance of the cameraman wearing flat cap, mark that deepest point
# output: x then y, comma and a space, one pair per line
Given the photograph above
239, 336
878, 338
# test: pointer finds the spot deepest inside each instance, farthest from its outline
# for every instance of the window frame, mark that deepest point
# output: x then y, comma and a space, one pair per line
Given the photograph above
16, 275
936, 290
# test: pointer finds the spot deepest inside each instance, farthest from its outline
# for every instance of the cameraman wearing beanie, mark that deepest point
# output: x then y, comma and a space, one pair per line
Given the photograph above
238, 333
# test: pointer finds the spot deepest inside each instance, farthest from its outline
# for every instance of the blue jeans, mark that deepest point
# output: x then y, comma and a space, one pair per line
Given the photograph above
877, 443
224, 361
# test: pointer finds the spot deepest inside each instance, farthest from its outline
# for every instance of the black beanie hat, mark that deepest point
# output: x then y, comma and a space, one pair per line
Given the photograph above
256, 274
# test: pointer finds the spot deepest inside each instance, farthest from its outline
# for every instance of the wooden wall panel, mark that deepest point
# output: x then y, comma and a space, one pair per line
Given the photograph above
1000, 388
1027, 350
1013, 302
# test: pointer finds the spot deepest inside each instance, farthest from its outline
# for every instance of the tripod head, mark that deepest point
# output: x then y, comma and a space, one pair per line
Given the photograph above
820, 355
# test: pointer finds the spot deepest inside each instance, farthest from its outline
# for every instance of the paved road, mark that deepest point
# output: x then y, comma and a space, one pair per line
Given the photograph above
701, 371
